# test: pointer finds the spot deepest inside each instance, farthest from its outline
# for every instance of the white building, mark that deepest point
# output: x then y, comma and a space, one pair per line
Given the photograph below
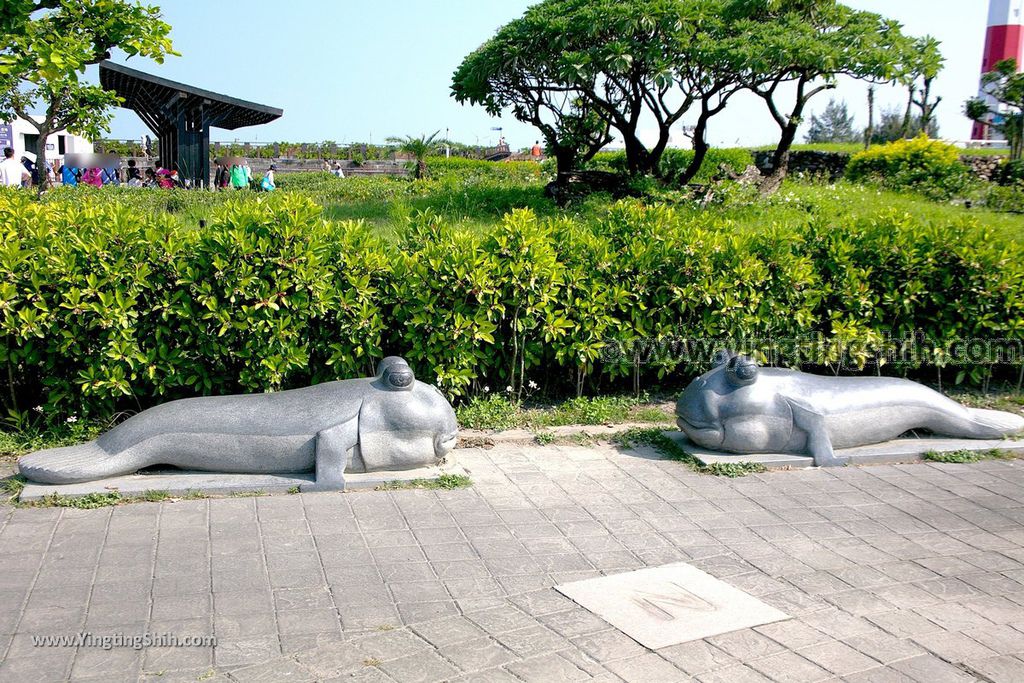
22, 137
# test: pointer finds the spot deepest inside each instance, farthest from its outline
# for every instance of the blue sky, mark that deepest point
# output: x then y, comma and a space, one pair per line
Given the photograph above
354, 70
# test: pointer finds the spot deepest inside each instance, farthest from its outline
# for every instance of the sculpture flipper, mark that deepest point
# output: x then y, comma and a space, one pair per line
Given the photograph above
812, 423
334, 447
74, 464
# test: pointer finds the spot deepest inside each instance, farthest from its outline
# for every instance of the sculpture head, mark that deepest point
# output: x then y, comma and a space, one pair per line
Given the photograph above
402, 419
697, 410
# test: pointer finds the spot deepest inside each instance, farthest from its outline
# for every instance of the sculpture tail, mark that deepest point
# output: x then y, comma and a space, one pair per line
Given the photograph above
994, 424
73, 464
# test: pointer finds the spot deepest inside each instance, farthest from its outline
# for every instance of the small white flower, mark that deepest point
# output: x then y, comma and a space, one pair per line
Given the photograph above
532, 384
72, 420
38, 409
487, 389
509, 388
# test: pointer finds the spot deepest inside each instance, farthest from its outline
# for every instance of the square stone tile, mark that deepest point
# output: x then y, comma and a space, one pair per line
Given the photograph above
669, 605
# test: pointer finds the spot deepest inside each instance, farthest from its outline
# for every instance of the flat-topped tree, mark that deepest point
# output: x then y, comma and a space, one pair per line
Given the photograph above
795, 49
46, 45
515, 70
629, 64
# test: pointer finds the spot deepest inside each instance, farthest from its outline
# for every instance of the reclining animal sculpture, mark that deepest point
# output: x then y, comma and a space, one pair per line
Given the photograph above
387, 422
739, 407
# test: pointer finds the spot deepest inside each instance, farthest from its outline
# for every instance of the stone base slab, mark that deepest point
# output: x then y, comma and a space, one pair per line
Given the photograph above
181, 483
904, 450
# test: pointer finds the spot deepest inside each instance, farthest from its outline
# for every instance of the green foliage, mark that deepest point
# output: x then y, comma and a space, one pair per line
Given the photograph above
922, 165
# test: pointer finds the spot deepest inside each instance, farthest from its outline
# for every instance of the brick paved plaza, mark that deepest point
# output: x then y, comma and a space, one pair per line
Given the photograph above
891, 573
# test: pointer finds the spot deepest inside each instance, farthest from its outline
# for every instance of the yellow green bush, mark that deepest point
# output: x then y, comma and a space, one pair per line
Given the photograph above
922, 165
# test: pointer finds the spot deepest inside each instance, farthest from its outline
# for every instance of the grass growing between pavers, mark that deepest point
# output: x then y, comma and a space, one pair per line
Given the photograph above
445, 482
11, 488
653, 437
965, 456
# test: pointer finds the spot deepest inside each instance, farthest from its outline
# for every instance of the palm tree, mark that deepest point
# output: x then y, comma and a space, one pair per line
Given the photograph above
419, 148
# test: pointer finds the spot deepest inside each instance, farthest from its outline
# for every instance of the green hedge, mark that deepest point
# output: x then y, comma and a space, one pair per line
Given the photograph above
104, 307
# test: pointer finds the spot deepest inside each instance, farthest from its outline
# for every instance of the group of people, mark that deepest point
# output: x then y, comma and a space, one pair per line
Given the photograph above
334, 169
239, 176
22, 172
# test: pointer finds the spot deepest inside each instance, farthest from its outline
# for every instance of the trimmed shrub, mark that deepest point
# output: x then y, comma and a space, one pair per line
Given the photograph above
105, 308
927, 166
675, 161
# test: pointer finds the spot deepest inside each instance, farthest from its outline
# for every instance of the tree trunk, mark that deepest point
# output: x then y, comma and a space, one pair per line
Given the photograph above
41, 174
905, 128
870, 132
780, 160
700, 150
565, 159
637, 157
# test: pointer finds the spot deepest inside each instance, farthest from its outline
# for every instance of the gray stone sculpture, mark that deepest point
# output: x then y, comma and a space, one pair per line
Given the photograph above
739, 407
387, 422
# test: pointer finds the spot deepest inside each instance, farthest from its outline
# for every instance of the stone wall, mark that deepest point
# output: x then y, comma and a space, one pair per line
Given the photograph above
833, 164
983, 167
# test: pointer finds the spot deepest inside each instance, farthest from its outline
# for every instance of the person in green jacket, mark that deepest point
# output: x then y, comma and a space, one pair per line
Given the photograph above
238, 179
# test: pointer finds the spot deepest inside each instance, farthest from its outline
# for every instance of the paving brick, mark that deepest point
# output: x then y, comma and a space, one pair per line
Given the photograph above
931, 669
838, 658
477, 655
737, 673
746, 644
954, 647
697, 657
420, 668
549, 667
1001, 668
789, 667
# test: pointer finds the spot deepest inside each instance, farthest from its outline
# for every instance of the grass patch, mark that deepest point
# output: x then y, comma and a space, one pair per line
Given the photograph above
444, 482
498, 413
87, 502
19, 442
965, 456
11, 487
248, 494
600, 410
653, 437
490, 412
544, 438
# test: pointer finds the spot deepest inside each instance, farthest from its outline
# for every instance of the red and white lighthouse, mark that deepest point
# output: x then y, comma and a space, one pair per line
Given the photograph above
1004, 40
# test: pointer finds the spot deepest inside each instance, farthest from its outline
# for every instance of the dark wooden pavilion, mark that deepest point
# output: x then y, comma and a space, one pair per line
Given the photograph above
180, 116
